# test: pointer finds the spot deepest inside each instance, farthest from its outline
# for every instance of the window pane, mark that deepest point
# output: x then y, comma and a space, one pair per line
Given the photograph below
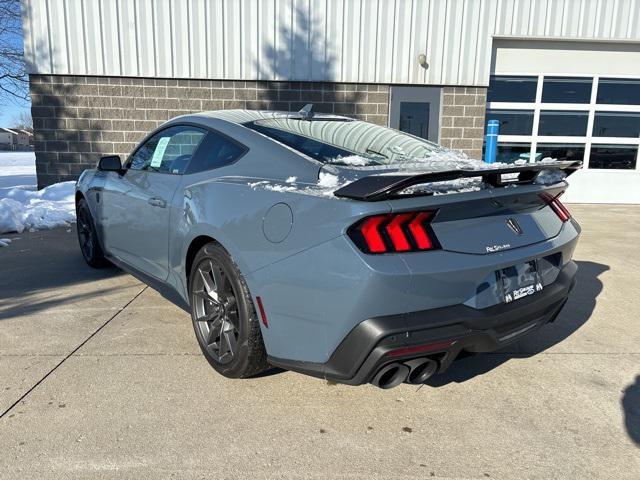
560, 151
216, 151
613, 156
510, 152
573, 124
512, 122
414, 118
566, 90
616, 124
168, 151
619, 92
512, 89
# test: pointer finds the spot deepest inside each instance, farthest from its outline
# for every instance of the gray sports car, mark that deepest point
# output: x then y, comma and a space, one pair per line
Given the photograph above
332, 246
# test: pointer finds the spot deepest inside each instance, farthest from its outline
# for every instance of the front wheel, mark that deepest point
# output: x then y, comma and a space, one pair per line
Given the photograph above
223, 315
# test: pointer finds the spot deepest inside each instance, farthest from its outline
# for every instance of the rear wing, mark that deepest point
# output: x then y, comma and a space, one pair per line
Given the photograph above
382, 187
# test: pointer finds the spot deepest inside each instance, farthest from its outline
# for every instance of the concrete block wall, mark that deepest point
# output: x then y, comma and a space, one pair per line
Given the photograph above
79, 118
463, 118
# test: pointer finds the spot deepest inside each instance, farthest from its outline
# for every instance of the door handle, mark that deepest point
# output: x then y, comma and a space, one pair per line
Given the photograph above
157, 202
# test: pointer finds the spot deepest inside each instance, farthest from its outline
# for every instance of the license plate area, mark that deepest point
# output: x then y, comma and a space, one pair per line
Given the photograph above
519, 281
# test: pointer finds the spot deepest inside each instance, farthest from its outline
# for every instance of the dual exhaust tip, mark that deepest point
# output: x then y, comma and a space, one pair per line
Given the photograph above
414, 371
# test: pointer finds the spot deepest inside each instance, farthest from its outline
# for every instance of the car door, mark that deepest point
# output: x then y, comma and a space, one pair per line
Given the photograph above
137, 203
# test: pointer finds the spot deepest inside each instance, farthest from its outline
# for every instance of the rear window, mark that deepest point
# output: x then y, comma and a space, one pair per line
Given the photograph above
318, 150
349, 142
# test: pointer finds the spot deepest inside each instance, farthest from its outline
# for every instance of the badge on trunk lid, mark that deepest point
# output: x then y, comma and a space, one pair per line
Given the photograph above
515, 226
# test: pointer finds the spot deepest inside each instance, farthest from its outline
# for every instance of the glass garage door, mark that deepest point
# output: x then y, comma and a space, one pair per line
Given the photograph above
590, 118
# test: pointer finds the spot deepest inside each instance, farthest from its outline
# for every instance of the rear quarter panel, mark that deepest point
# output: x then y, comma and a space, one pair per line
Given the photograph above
235, 214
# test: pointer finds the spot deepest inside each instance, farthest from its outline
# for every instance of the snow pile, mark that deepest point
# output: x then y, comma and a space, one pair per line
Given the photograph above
4, 242
24, 209
324, 188
326, 185
352, 161
327, 180
444, 160
447, 160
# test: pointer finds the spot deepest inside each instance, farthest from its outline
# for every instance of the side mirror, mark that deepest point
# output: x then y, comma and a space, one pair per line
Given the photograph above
110, 163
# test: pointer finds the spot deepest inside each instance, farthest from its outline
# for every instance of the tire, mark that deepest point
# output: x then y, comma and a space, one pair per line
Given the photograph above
88, 238
224, 317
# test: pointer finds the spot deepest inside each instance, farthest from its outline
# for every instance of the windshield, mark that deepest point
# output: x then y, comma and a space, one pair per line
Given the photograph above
347, 142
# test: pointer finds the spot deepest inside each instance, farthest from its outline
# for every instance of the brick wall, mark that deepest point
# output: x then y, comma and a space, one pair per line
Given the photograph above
77, 119
463, 117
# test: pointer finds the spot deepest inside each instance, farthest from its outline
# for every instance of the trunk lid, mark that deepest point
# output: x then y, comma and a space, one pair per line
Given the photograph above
483, 211
492, 225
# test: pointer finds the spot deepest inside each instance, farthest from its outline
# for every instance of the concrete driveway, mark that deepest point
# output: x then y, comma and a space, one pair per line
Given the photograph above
102, 378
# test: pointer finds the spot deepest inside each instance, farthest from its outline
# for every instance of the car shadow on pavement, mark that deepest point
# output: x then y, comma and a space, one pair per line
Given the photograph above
37, 266
575, 313
631, 408
30, 307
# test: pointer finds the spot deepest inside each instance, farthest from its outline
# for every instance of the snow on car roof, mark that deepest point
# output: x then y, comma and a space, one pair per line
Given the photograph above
246, 116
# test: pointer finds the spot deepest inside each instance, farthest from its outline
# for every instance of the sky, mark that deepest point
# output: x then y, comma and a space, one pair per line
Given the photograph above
10, 108
9, 112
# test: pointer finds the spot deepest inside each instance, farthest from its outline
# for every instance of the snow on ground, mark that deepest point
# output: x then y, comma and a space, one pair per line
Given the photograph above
17, 169
22, 206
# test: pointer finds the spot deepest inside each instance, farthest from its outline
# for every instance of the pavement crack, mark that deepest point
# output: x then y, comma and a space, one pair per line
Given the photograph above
82, 344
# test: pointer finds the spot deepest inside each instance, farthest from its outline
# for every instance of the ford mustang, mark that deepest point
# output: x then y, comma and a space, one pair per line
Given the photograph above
331, 246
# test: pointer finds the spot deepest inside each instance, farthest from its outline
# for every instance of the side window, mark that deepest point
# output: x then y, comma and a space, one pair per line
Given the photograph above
168, 151
215, 151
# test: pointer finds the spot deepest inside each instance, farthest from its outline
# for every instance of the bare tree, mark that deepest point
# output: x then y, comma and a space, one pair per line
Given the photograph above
22, 121
13, 77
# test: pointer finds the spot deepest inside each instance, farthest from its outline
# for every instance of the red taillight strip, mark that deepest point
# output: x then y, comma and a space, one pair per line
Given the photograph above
420, 348
420, 235
372, 236
557, 206
397, 236
562, 208
395, 232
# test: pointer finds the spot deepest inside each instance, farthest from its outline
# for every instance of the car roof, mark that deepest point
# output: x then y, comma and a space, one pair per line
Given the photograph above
245, 116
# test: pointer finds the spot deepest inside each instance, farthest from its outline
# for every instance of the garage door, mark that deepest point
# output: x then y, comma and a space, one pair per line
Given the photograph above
571, 100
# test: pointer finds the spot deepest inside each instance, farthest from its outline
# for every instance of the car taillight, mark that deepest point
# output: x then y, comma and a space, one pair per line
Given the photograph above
557, 206
395, 232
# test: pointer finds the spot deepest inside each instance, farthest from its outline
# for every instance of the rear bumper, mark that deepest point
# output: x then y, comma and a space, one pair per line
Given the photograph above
450, 330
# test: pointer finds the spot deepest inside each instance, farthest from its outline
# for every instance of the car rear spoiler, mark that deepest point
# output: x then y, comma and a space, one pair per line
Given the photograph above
382, 187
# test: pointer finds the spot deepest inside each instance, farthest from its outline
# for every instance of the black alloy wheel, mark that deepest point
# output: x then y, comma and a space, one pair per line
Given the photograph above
224, 318
216, 311
87, 237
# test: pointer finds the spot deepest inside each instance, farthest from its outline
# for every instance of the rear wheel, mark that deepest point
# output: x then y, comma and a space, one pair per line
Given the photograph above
223, 315
88, 238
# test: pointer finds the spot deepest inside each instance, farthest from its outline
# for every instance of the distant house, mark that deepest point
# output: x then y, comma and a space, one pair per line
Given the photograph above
8, 139
14, 139
25, 138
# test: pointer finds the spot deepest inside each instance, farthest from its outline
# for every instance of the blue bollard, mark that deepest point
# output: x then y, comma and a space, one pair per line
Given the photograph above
491, 148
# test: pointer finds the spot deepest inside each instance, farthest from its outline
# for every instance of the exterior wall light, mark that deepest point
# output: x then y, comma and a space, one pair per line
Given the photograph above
422, 61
